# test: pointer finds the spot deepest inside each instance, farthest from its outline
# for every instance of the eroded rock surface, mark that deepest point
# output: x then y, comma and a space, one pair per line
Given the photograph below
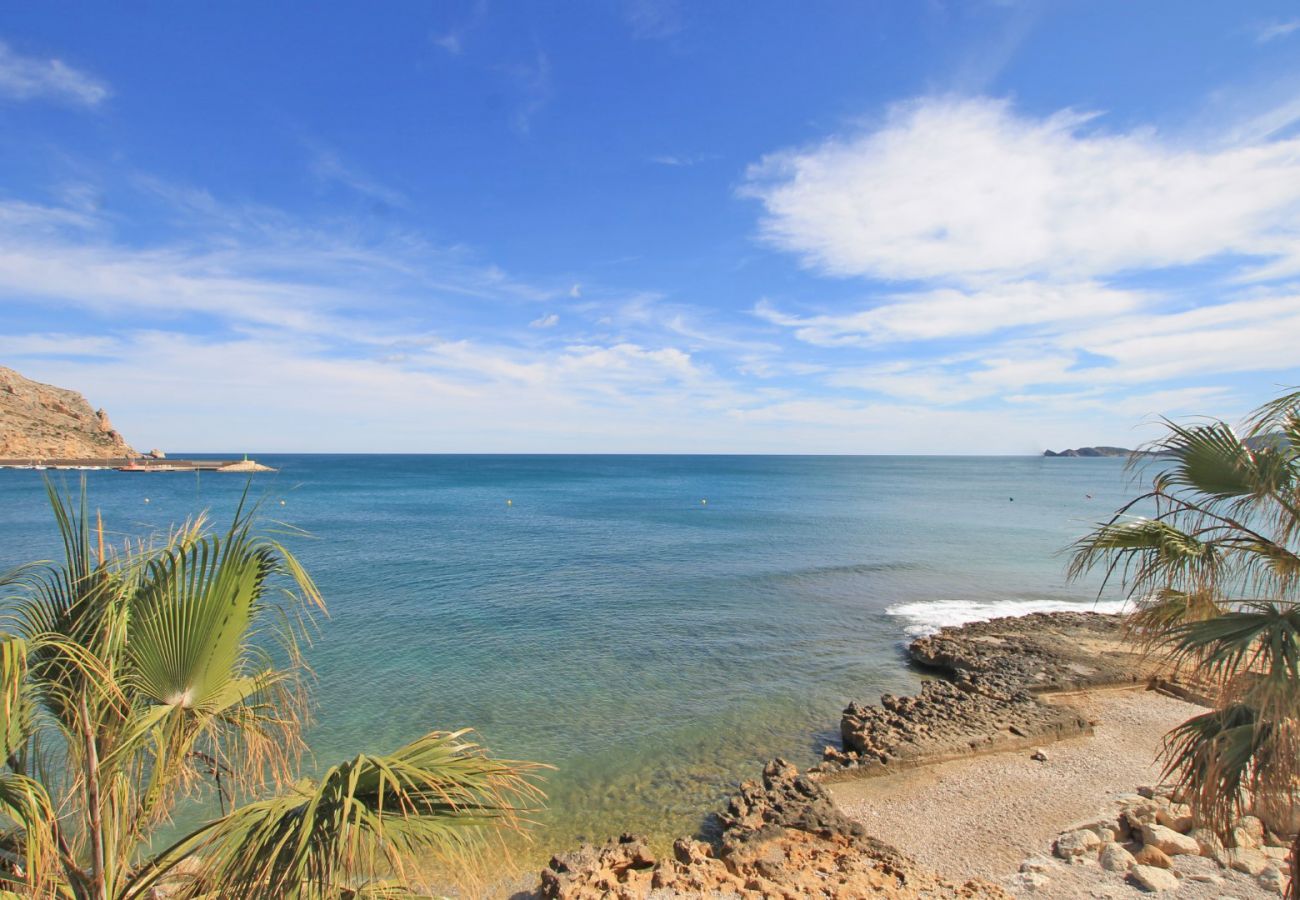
781, 838
947, 720
1039, 652
996, 670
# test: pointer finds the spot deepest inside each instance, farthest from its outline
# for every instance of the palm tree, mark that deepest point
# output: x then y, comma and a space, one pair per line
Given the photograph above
131, 681
1209, 557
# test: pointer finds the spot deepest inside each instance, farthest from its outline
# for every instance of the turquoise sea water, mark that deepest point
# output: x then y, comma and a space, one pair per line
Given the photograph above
653, 647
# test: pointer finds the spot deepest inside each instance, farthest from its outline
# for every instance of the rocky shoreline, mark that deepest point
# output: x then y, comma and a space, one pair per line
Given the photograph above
989, 701
785, 836
782, 837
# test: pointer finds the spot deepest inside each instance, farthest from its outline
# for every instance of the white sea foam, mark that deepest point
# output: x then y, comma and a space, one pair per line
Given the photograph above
928, 616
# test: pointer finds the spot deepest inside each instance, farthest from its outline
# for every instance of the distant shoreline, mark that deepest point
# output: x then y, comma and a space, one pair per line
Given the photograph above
135, 464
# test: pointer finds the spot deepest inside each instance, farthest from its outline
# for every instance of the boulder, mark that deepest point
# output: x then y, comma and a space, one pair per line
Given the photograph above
1153, 856
1249, 860
1139, 813
1207, 841
1114, 858
1248, 832
1149, 878
1108, 830
1169, 841
1177, 816
1273, 879
1072, 844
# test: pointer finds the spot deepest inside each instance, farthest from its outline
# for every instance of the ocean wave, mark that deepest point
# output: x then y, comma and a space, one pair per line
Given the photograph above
928, 616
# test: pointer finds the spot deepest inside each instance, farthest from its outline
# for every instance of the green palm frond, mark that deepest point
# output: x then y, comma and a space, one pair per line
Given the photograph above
363, 818
1210, 758
1262, 639
1209, 459
15, 705
1156, 614
131, 676
1169, 543
1275, 415
1214, 574
26, 838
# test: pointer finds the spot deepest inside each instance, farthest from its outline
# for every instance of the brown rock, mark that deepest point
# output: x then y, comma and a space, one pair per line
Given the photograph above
781, 838
1152, 856
40, 421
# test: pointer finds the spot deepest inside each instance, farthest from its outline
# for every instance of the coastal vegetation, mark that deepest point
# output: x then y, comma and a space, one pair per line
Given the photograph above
163, 673
1209, 555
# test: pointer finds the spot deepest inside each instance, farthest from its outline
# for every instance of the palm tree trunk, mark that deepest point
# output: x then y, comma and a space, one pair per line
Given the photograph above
95, 811
1293, 891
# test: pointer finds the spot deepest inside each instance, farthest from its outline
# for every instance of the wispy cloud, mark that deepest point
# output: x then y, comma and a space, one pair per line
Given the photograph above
452, 40
682, 160
550, 320
947, 313
328, 167
653, 19
32, 78
533, 81
1275, 30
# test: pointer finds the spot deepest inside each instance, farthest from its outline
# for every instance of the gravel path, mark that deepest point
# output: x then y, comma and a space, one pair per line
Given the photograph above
985, 815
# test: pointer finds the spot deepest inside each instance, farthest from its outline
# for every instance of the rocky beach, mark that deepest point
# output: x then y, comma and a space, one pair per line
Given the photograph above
1027, 767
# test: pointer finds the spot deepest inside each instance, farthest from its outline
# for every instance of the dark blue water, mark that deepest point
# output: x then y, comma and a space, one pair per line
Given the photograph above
596, 614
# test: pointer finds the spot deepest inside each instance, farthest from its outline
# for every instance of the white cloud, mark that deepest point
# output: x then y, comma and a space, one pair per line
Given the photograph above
550, 320
1107, 354
620, 398
946, 312
969, 190
1271, 31
30, 78
247, 268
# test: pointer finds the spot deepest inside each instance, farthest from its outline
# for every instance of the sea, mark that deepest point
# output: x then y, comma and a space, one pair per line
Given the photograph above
653, 627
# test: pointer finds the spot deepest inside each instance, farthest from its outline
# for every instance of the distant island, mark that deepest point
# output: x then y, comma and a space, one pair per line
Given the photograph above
1098, 451
1254, 442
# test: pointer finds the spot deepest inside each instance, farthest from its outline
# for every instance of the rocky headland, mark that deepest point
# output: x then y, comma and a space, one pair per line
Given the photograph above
42, 421
1093, 452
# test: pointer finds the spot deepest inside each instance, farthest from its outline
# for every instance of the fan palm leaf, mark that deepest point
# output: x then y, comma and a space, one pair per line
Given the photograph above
361, 819
157, 669
1214, 571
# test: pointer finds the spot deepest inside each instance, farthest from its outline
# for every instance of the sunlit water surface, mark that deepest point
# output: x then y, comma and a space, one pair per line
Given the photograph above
595, 613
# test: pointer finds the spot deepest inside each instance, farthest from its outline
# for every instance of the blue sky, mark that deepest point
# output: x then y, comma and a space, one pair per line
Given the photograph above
650, 225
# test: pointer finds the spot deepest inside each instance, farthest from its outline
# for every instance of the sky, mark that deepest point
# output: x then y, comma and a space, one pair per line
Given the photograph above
650, 225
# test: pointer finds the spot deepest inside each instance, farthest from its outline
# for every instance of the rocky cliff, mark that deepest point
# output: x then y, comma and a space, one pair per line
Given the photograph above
42, 421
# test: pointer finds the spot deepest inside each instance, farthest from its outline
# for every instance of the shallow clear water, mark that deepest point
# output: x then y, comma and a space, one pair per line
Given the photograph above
653, 647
